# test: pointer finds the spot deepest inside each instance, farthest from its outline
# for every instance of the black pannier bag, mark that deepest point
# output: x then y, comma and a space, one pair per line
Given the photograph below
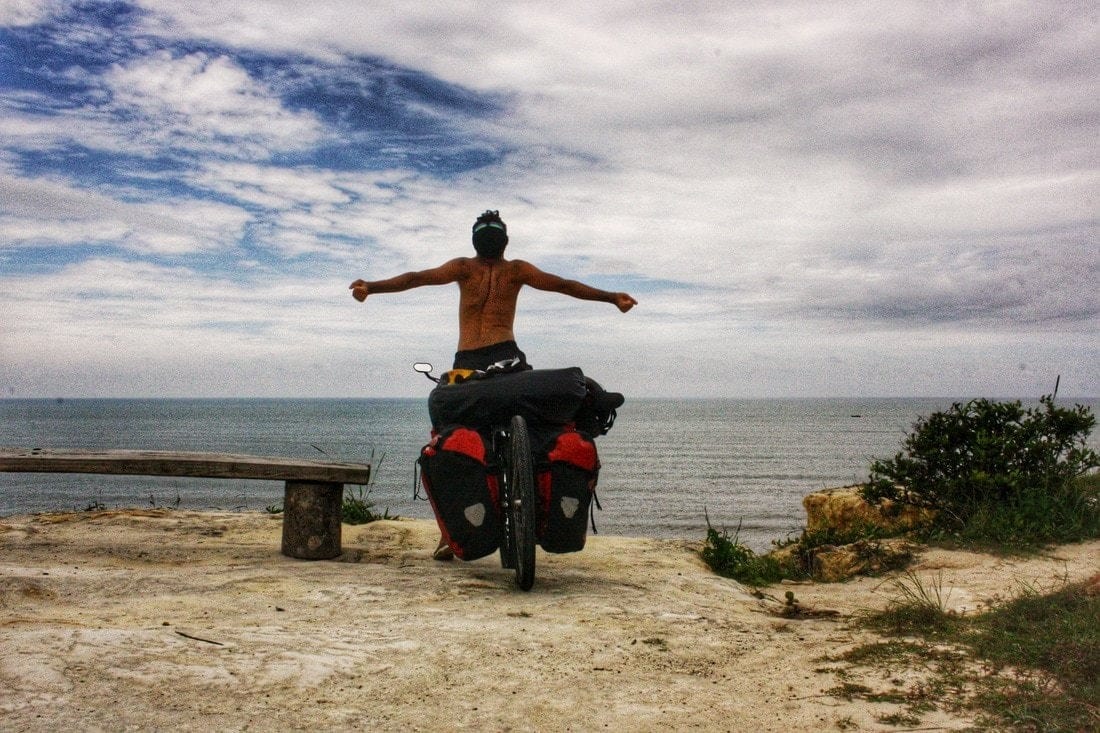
566, 484
597, 412
550, 396
463, 491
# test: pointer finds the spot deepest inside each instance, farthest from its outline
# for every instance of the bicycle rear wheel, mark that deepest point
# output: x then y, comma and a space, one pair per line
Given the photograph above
523, 506
507, 526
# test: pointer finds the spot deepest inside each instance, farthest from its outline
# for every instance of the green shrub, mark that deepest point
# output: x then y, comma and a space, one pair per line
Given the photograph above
728, 557
995, 471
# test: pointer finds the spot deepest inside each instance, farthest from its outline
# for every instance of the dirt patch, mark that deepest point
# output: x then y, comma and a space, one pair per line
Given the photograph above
193, 620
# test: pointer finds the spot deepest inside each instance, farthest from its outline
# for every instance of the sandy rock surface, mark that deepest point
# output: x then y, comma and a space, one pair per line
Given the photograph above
193, 621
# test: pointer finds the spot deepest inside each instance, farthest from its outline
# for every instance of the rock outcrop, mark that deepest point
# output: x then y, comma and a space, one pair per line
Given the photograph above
845, 512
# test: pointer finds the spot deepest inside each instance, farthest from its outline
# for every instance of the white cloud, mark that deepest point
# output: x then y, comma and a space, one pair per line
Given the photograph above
15, 13
107, 328
271, 186
817, 197
207, 101
38, 211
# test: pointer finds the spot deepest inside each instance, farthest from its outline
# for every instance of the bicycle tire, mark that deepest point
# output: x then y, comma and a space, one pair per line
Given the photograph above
524, 504
507, 531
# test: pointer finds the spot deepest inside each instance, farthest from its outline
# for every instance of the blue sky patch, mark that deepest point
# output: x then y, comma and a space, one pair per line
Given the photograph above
365, 114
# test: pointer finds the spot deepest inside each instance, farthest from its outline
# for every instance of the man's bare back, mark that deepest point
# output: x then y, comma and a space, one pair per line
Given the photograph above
489, 286
489, 289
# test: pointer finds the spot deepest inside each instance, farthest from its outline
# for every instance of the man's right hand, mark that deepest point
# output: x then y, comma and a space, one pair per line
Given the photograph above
624, 302
359, 290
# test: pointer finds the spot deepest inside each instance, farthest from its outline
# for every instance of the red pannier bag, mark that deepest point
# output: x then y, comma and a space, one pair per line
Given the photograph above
463, 492
566, 485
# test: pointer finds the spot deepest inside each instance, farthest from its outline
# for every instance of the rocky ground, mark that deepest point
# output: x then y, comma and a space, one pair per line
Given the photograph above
195, 621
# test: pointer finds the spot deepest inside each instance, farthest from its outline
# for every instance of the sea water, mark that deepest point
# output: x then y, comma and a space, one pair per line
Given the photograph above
667, 465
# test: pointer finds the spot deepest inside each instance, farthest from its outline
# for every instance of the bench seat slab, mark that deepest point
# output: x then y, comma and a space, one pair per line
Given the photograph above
174, 463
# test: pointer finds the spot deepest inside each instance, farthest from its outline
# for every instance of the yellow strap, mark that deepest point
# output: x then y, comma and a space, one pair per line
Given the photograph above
456, 376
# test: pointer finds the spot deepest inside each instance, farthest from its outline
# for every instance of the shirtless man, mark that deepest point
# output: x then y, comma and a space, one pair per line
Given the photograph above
489, 286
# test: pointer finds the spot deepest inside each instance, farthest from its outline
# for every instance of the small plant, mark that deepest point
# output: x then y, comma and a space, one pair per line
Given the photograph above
359, 509
919, 608
846, 723
931, 596
833, 536
175, 505
791, 607
728, 557
899, 719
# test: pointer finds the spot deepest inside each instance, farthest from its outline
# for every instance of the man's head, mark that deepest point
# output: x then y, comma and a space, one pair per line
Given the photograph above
490, 235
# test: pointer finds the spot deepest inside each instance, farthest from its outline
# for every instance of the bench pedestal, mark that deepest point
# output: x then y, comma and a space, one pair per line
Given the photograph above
312, 512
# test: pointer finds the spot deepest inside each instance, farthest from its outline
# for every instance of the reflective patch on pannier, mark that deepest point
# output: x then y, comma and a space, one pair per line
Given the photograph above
462, 491
475, 514
569, 506
566, 485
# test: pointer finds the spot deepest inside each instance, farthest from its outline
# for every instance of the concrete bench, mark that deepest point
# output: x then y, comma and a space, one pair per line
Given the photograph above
313, 499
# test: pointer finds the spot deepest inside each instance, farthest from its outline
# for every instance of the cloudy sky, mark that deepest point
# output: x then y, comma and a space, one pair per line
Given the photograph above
807, 198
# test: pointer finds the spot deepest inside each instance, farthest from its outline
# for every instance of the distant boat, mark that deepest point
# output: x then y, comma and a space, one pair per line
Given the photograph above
856, 415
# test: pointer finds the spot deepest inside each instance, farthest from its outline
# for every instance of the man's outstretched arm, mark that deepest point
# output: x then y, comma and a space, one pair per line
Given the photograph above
540, 280
446, 273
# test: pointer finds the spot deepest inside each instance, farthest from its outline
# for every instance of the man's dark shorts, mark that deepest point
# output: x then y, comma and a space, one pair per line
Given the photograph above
486, 355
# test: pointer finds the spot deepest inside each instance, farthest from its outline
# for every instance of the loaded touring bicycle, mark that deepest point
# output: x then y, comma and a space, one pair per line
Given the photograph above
512, 460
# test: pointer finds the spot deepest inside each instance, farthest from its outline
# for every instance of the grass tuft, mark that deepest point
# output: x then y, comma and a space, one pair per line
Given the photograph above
919, 608
1048, 646
1029, 664
359, 509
